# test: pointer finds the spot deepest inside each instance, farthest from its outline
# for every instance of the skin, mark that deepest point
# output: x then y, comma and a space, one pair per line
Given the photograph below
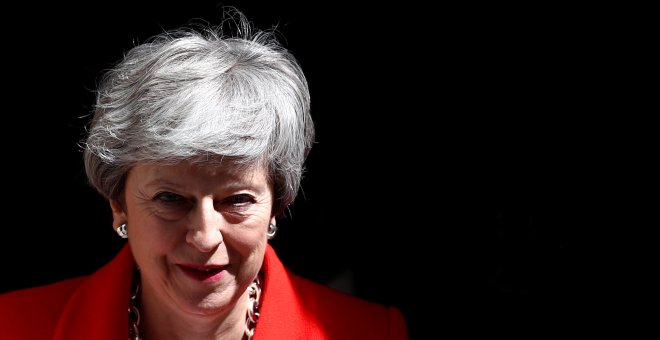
184, 214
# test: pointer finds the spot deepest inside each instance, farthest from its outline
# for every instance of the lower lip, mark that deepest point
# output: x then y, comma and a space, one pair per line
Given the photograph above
202, 276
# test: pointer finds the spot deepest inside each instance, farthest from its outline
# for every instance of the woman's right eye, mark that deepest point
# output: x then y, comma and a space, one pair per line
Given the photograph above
171, 206
168, 197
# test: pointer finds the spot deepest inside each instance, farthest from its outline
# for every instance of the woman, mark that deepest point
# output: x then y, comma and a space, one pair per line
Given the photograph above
198, 142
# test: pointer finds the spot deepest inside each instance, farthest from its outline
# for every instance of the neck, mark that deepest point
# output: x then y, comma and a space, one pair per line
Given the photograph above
173, 324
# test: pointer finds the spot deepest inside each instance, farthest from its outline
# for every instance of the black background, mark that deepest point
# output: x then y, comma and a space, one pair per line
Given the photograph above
452, 168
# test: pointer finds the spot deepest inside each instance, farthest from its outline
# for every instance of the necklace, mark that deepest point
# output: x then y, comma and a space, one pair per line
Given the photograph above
254, 296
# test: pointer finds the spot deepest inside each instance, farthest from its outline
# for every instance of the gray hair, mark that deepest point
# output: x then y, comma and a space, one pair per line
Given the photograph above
198, 94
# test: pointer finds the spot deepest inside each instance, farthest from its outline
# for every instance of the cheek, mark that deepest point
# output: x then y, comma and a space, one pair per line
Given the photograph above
245, 241
155, 237
248, 245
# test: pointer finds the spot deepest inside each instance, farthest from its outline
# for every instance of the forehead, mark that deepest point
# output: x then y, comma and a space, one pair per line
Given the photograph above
209, 171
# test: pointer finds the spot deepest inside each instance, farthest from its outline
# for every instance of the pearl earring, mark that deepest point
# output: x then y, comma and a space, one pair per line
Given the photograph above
121, 231
272, 230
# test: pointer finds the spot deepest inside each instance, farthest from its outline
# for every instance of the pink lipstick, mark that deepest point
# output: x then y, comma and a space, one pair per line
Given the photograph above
206, 274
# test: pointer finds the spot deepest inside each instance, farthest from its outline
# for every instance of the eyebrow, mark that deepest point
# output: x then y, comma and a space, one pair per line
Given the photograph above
234, 184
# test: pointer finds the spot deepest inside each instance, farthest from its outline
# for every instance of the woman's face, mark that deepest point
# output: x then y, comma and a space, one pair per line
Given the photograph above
198, 233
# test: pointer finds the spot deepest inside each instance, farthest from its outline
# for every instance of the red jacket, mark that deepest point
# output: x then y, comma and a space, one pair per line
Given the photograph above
95, 307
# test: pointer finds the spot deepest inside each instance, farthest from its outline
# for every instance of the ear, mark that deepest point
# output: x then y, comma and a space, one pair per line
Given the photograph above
118, 214
273, 220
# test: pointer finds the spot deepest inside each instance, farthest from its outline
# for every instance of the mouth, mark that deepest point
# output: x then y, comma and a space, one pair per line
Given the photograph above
205, 274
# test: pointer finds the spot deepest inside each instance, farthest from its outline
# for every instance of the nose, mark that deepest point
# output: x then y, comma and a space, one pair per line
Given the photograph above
204, 230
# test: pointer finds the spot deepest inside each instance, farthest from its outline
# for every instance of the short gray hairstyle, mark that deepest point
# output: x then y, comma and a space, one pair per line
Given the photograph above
198, 93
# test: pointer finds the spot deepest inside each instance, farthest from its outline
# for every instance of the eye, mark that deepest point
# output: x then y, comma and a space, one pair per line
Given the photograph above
168, 197
238, 200
237, 204
171, 206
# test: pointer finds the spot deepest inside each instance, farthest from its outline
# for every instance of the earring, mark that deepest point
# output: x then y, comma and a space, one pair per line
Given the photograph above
272, 230
121, 231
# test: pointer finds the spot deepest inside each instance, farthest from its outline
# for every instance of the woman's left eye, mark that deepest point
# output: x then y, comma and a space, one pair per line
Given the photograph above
239, 199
